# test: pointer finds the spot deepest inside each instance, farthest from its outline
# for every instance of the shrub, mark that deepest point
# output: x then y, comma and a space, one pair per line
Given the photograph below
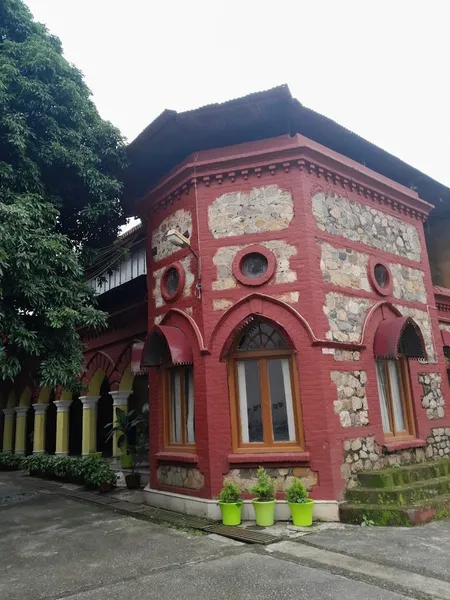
296, 493
230, 494
10, 461
90, 470
264, 489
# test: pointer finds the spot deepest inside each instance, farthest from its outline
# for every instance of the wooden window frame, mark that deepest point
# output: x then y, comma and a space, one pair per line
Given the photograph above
268, 445
406, 399
184, 446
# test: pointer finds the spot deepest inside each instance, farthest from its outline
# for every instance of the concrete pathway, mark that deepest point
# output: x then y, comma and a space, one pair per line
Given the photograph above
54, 547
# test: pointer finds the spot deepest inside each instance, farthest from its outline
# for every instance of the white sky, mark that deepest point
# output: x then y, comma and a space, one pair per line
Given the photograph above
380, 68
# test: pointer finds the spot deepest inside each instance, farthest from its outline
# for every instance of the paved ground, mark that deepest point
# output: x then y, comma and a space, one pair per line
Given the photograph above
53, 547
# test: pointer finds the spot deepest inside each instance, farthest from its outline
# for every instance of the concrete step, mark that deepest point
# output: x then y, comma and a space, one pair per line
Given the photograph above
387, 478
400, 516
402, 495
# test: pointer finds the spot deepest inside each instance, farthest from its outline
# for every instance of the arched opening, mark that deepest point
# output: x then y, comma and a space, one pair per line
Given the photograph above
104, 417
265, 403
75, 427
139, 402
447, 361
2, 426
29, 431
50, 425
397, 340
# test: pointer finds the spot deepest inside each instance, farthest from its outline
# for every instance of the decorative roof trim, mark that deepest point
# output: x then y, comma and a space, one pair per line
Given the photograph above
216, 171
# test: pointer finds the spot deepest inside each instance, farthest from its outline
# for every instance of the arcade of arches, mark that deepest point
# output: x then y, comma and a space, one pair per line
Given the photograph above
54, 422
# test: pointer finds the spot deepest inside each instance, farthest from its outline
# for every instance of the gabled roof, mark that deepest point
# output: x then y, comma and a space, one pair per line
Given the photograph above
173, 136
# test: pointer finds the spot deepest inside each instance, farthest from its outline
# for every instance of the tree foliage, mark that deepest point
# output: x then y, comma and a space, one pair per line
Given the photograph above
60, 188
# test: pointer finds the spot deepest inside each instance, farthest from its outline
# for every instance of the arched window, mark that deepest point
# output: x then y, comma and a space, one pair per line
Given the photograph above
397, 340
265, 405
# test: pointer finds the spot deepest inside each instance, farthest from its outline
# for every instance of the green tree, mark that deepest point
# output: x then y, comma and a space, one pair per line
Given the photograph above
60, 166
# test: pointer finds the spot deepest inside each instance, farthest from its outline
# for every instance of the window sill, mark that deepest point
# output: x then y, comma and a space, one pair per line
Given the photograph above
269, 457
180, 457
403, 445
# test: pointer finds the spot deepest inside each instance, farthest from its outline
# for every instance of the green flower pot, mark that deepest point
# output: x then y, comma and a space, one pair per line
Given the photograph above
302, 513
264, 512
231, 513
126, 460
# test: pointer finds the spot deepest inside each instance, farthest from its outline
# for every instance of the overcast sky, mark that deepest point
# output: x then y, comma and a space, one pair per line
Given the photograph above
380, 68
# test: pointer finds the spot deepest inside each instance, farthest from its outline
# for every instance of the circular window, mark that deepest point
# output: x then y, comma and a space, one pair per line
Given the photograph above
254, 265
172, 282
380, 277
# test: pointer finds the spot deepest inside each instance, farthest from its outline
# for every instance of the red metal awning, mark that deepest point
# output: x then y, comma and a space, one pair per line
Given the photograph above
445, 337
136, 357
166, 345
399, 336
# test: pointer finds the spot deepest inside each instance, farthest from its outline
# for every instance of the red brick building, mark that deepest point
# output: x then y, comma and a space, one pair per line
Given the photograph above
300, 327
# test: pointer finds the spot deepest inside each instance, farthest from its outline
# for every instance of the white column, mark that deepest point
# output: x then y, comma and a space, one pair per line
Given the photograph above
89, 442
62, 426
120, 399
39, 427
21, 426
8, 429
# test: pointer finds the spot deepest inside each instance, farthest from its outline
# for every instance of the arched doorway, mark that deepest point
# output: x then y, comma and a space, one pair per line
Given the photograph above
104, 417
75, 427
50, 425
138, 401
29, 431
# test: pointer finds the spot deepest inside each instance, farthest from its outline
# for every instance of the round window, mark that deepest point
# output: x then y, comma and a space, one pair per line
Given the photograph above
254, 265
172, 281
381, 275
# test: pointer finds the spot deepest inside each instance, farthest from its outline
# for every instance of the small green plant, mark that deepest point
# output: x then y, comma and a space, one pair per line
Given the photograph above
296, 493
10, 461
230, 494
125, 425
264, 488
396, 466
366, 522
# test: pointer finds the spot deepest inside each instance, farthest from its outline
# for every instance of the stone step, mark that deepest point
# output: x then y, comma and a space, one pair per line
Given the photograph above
403, 495
387, 478
399, 516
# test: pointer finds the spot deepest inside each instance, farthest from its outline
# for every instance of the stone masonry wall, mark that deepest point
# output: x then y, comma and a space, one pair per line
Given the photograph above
246, 478
364, 454
182, 477
351, 405
157, 275
432, 399
339, 216
345, 316
267, 208
181, 220
347, 268
223, 260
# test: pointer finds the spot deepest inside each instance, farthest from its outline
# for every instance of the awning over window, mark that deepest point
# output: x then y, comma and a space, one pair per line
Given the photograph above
136, 357
445, 337
166, 345
398, 336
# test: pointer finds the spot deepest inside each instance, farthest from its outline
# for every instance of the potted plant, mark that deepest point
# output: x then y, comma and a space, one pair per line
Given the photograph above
230, 503
133, 479
264, 504
299, 503
125, 424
